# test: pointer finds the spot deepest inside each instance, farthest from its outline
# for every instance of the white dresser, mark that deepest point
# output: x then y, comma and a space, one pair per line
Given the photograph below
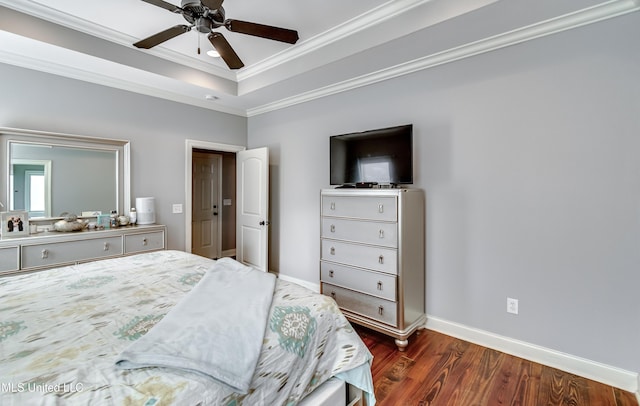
372, 259
53, 249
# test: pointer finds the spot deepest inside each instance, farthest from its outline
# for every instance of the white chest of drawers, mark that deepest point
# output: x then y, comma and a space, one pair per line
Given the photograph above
372, 259
48, 250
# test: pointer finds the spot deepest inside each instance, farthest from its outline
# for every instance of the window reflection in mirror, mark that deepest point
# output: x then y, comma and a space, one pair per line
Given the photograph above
30, 185
47, 180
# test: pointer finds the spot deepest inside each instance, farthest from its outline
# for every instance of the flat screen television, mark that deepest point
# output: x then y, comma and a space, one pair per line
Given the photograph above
383, 156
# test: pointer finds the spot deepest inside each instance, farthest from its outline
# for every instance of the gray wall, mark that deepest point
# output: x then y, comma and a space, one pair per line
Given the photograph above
156, 128
529, 159
528, 156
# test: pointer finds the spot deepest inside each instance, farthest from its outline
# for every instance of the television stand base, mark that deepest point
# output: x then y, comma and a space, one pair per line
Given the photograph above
365, 185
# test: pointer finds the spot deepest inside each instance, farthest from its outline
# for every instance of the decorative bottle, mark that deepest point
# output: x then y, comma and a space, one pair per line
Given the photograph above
132, 216
114, 219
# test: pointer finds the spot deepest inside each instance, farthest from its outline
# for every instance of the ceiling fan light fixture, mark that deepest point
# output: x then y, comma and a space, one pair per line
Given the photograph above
213, 53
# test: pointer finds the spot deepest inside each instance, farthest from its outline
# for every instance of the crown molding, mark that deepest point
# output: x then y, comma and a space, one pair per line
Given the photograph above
78, 24
117, 82
364, 21
359, 23
590, 15
606, 10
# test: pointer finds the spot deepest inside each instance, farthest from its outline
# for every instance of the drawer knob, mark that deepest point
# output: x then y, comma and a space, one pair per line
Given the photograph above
144, 241
379, 285
45, 254
381, 234
106, 246
333, 205
381, 259
332, 251
381, 208
331, 273
380, 310
332, 228
333, 295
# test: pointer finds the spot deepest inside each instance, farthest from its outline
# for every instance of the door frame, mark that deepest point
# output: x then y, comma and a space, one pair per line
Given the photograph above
190, 145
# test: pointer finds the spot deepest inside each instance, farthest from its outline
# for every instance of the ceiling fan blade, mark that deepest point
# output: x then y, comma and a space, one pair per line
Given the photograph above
225, 50
261, 30
162, 36
212, 4
165, 5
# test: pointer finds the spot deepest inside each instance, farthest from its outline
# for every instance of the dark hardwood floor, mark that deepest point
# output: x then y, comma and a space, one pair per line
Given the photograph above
439, 370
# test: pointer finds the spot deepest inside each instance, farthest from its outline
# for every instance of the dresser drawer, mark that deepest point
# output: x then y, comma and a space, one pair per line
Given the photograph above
364, 256
373, 283
35, 256
368, 232
365, 305
361, 207
9, 259
143, 242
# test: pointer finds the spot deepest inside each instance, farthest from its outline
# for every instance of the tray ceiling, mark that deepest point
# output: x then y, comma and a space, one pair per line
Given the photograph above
342, 44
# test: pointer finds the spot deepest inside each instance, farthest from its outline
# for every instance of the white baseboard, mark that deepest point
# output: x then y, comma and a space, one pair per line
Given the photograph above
609, 375
313, 286
619, 378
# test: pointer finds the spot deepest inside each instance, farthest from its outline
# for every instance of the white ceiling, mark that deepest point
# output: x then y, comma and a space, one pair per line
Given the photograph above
343, 44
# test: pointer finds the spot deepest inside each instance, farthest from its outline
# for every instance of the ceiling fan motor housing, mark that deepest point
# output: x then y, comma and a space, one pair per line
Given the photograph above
203, 18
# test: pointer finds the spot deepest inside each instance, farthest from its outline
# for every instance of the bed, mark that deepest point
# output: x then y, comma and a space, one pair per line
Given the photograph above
65, 336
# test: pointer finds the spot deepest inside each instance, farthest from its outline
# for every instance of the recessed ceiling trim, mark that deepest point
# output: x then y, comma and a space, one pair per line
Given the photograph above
364, 21
579, 18
74, 72
66, 20
602, 11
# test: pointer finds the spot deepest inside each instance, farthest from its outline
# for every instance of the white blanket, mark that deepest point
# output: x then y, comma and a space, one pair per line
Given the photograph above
217, 329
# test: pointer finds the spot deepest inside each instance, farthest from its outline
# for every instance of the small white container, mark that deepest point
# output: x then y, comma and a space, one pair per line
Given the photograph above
145, 206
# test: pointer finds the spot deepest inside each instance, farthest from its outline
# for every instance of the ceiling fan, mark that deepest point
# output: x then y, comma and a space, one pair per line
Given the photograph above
205, 16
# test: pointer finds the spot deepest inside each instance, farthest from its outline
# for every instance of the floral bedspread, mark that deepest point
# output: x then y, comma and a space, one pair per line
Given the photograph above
62, 329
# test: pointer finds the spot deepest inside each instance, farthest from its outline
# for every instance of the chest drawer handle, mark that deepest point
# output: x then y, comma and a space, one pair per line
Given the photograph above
380, 310
332, 228
332, 251
381, 234
381, 259
333, 205
333, 295
45, 254
331, 273
381, 208
144, 241
379, 285
106, 246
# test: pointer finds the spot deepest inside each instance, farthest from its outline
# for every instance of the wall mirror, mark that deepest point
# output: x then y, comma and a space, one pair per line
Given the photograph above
47, 174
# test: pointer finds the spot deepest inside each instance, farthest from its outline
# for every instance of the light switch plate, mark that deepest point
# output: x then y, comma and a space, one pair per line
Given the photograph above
177, 208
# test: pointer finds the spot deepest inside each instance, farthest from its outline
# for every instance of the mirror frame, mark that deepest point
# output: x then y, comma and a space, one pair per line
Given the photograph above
122, 148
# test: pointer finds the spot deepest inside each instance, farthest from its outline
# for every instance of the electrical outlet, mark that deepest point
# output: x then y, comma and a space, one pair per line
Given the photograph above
512, 305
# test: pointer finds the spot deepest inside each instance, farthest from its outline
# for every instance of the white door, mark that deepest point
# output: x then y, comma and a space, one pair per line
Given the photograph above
205, 226
252, 185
